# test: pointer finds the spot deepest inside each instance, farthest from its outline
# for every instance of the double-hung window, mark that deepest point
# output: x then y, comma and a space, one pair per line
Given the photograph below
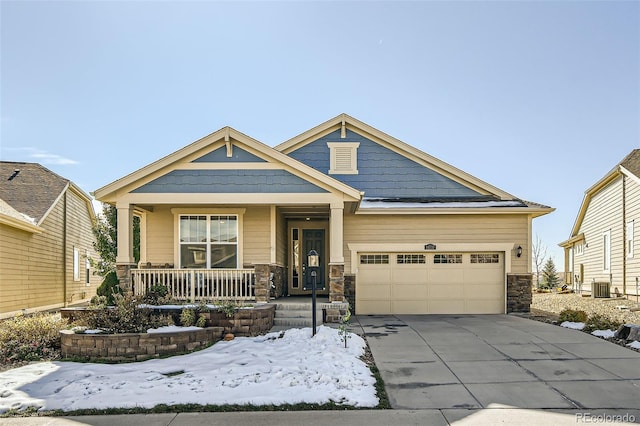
208, 241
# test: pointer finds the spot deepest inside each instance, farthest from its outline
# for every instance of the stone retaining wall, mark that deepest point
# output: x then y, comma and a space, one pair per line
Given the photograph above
136, 346
245, 322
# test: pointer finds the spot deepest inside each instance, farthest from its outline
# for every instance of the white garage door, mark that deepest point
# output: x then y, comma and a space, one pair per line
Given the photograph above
430, 283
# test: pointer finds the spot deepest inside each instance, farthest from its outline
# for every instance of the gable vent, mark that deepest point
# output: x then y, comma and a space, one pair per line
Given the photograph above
344, 157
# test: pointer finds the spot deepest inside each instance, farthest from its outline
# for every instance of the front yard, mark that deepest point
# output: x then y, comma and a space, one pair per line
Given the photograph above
554, 303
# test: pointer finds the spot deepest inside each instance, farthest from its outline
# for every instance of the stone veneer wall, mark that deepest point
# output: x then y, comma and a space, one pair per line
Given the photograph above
350, 291
334, 312
135, 346
279, 274
245, 322
519, 295
336, 283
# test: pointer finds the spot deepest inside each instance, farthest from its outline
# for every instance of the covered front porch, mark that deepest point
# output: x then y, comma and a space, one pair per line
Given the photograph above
253, 253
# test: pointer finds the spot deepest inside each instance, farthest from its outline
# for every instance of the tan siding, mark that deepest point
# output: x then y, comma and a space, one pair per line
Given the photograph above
282, 239
31, 265
160, 235
439, 230
257, 239
633, 213
603, 213
160, 240
79, 235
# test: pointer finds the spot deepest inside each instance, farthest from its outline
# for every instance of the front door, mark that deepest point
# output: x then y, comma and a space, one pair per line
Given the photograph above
313, 239
305, 236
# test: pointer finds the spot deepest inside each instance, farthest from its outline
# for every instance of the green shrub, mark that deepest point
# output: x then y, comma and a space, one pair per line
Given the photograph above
156, 295
187, 317
600, 322
202, 321
30, 338
573, 315
109, 288
125, 317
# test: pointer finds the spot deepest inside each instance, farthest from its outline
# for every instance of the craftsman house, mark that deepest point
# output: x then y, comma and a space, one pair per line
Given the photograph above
45, 240
601, 247
397, 230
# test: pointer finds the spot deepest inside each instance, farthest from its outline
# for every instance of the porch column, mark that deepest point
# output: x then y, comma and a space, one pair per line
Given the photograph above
124, 259
336, 249
336, 232
125, 234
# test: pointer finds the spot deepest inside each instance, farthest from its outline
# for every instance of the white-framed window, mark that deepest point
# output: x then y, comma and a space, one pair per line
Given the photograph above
343, 158
76, 264
374, 259
629, 236
485, 258
606, 251
447, 258
407, 259
578, 248
208, 241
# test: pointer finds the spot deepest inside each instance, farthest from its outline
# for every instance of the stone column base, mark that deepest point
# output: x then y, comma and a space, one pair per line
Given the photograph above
519, 295
336, 282
123, 272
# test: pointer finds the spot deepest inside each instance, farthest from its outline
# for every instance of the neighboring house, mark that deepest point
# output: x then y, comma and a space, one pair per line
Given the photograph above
397, 230
601, 247
45, 239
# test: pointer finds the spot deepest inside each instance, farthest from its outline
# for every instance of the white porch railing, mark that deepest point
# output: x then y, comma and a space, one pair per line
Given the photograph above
197, 284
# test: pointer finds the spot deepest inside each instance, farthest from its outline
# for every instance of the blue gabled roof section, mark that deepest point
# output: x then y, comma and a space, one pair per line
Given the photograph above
381, 171
239, 155
229, 181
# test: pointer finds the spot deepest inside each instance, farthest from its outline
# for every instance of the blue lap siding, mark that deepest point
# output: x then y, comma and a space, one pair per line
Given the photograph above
381, 171
229, 181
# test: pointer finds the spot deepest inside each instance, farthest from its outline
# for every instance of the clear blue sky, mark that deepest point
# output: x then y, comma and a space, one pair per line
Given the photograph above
540, 99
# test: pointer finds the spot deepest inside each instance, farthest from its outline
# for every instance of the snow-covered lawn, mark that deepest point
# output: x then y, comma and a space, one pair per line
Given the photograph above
247, 370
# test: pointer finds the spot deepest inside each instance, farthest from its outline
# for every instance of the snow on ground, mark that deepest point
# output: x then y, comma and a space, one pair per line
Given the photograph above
247, 370
573, 325
635, 344
171, 329
607, 334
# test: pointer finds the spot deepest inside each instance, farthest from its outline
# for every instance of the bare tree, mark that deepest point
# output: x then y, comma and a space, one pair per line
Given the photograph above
539, 253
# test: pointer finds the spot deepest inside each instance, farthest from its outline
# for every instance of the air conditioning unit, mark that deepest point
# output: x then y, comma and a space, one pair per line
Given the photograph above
600, 290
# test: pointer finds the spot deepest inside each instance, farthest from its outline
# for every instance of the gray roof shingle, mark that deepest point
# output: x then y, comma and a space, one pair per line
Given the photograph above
30, 188
632, 162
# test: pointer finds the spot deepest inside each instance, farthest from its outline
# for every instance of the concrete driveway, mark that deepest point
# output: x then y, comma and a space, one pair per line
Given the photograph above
463, 362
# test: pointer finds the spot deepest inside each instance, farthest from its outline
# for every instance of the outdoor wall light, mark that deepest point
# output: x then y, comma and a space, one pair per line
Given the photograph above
313, 259
519, 251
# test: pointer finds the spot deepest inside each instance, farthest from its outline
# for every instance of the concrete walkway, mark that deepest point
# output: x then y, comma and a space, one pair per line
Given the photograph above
458, 370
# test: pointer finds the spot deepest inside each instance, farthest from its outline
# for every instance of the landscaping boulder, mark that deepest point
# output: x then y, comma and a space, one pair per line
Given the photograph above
628, 332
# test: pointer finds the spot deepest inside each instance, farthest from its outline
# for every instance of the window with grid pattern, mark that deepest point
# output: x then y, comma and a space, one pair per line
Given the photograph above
405, 259
447, 258
485, 258
374, 259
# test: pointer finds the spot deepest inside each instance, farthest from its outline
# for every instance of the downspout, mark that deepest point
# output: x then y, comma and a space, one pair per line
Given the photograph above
624, 234
64, 250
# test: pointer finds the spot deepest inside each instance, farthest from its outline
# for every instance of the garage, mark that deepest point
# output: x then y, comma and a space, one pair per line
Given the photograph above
430, 283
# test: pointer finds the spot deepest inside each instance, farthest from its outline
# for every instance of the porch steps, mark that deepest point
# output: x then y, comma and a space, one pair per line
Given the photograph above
295, 315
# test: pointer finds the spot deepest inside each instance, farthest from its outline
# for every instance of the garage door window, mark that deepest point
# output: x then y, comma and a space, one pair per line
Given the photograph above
406, 259
374, 259
447, 258
485, 258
